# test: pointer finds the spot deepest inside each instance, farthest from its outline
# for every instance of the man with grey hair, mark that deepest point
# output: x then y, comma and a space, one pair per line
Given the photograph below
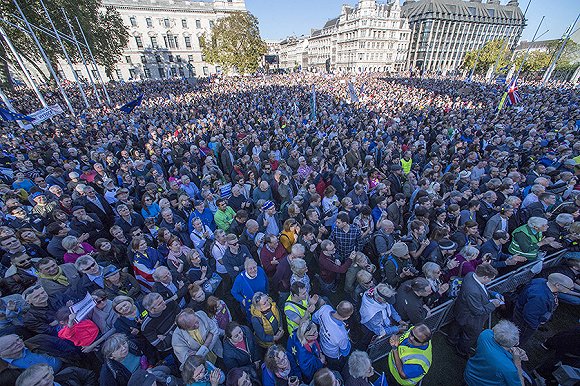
534, 194
537, 302
497, 359
159, 324
558, 229
248, 236
358, 369
168, 286
528, 238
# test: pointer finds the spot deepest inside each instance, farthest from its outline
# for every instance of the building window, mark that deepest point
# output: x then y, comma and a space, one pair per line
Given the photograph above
166, 23
149, 22
161, 72
192, 71
181, 73
147, 73
158, 58
205, 71
139, 42
187, 42
154, 42
211, 24
128, 59
133, 21
190, 58
132, 73
491, 12
143, 59
218, 69
184, 23
119, 74
79, 74
472, 11
178, 58
173, 71
171, 58
95, 74
170, 41
198, 24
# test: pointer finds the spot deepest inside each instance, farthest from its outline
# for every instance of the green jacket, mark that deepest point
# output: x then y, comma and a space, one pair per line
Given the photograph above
224, 219
525, 242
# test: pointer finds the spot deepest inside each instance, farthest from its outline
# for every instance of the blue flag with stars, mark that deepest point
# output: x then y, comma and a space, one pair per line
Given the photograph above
130, 106
8, 115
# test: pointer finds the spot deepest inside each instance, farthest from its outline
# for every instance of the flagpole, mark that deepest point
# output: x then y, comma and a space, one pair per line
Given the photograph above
82, 57
23, 67
10, 107
45, 57
67, 57
552, 66
517, 74
94, 62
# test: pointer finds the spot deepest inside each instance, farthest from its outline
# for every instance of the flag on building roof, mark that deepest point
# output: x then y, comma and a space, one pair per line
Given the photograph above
8, 115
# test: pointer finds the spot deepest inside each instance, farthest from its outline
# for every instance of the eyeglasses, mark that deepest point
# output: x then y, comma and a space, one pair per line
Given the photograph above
233, 244
88, 268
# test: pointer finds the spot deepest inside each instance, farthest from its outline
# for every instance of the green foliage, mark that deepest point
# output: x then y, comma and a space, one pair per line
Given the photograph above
235, 43
536, 61
492, 51
570, 56
105, 32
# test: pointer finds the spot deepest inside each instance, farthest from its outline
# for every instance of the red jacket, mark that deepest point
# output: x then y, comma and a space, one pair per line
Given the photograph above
329, 271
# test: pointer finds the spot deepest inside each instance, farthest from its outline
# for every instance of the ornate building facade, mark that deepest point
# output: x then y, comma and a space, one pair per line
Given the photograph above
370, 36
444, 30
164, 36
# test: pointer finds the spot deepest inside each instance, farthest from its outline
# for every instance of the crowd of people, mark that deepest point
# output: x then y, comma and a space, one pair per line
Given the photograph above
224, 233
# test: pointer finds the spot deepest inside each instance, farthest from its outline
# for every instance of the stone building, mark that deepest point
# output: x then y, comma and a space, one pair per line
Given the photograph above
444, 30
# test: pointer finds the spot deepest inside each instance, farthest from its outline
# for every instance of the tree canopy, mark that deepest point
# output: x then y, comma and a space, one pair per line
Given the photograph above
492, 51
103, 27
234, 43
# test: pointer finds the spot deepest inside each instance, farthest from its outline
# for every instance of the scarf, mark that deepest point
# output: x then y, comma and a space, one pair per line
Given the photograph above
370, 307
60, 277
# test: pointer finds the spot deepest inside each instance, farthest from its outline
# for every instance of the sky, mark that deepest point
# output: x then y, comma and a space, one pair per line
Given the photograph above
281, 18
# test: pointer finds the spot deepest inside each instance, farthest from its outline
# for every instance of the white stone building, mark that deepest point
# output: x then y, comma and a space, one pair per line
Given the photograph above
164, 37
370, 36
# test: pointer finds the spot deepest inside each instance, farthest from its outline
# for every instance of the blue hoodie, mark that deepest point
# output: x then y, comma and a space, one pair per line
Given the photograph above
308, 361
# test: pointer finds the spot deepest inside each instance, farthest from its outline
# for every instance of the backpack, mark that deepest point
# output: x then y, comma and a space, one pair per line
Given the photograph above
370, 248
383, 262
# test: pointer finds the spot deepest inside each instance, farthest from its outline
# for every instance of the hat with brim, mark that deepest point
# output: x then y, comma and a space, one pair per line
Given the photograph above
400, 249
110, 270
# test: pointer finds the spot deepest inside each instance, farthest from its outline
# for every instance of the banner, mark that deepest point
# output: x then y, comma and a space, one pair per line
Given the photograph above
352, 92
82, 308
46, 113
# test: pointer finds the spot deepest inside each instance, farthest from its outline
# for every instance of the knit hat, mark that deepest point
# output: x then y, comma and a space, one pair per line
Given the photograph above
36, 194
400, 249
267, 205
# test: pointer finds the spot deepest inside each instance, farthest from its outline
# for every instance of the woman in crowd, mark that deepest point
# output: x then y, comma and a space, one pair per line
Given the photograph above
75, 249
240, 349
196, 371
266, 320
218, 310
289, 234
278, 369
306, 350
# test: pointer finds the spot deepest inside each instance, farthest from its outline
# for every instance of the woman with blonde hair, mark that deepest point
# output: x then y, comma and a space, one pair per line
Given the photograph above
266, 320
306, 350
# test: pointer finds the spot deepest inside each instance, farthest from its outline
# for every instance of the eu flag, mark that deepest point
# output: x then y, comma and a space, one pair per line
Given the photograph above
8, 115
130, 106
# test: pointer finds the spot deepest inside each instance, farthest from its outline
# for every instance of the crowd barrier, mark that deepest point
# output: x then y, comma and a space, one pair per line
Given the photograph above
442, 315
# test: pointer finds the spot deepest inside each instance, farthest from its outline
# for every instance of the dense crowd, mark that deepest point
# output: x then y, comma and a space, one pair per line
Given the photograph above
222, 234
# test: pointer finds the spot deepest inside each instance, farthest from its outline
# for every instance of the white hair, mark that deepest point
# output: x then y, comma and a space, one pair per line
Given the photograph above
429, 269
537, 222
506, 334
358, 364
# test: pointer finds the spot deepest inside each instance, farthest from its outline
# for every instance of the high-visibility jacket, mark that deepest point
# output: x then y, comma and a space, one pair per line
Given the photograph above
410, 356
526, 246
406, 165
299, 308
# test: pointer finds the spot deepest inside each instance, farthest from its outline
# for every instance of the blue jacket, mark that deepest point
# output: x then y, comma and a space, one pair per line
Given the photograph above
244, 288
491, 365
206, 218
536, 303
270, 379
308, 361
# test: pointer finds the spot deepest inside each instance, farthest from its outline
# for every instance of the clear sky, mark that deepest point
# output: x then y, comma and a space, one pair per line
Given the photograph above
282, 18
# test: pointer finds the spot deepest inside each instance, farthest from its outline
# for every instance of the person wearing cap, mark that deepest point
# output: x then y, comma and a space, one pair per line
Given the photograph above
378, 316
118, 282
89, 223
42, 207
224, 216
268, 219
396, 266
537, 302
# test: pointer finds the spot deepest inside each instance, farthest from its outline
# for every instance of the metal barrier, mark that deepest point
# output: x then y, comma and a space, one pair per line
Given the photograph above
441, 315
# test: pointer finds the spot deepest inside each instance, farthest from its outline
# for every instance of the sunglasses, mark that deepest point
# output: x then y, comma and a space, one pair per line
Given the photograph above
88, 268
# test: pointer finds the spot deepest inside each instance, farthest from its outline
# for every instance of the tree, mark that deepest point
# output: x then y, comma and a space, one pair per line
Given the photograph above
492, 51
234, 43
104, 30
570, 56
536, 61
